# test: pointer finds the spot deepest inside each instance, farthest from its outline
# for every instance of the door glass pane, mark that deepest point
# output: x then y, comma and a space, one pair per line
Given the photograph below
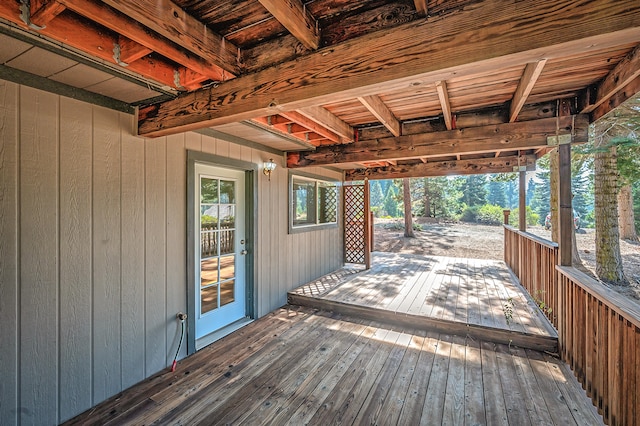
209, 299
227, 216
227, 192
209, 271
209, 216
227, 292
208, 191
227, 267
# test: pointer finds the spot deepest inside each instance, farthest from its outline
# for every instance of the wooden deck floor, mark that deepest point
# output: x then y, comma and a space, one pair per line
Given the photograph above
300, 366
475, 297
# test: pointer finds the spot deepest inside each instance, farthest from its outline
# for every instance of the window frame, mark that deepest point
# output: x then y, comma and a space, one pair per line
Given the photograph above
317, 180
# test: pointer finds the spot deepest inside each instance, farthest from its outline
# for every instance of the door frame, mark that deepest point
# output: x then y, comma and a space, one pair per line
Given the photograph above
251, 184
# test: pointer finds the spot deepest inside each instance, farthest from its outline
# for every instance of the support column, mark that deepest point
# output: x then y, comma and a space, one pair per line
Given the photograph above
522, 201
367, 226
565, 210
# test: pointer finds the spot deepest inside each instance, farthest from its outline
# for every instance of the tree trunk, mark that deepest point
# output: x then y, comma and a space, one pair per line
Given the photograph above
427, 199
625, 214
608, 258
406, 198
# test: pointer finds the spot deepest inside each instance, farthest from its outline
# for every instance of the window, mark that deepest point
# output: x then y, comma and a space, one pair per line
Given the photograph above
313, 202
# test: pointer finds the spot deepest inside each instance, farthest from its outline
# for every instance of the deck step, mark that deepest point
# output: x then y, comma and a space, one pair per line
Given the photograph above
542, 343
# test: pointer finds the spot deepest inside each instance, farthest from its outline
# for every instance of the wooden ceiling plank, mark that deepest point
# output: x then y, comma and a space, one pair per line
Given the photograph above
42, 14
169, 20
294, 16
311, 125
326, 119
623, 73
444, 168
443, 96
510, 136
375, 105
118, 22
528, 80
131, 51
617, 99
415, 54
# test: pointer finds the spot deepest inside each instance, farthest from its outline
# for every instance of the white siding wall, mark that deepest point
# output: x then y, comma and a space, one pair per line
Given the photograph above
93, 251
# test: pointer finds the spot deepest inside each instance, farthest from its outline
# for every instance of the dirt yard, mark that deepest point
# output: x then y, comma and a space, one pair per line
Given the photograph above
486, 242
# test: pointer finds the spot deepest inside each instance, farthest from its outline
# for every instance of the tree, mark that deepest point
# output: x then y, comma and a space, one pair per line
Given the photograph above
377, 196
474, 191
608, 258
541, 199
390, 202
531, 188
512, 193
496, 193
628, 162
406, 200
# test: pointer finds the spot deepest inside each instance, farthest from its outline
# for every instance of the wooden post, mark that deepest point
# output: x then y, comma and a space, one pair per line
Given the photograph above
367, 226
522, 205
564, 200
506, 214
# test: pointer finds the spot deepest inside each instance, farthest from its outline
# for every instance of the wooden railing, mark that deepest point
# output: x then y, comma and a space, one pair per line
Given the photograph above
533, 260
598, 329
599, 337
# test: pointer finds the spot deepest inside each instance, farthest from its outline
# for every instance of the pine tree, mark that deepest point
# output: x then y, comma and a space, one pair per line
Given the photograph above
390, 202
496, 193
377, 196
531, 188
474, 191
541, 200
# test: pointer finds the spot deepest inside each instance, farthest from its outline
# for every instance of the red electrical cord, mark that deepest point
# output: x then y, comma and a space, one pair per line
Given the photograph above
175, 358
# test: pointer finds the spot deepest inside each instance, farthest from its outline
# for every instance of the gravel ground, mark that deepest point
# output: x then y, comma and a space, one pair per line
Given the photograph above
486, 242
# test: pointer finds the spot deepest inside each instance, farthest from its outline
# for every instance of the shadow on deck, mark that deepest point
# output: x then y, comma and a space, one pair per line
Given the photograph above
476, 298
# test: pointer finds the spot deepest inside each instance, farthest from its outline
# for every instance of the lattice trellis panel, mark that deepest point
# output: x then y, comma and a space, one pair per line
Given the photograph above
354, 224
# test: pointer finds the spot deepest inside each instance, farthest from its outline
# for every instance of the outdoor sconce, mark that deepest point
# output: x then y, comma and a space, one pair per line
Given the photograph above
269, 167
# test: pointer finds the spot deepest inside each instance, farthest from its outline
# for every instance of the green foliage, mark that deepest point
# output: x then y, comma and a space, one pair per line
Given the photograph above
474, 191
377, 196
390, 203
541, 201
532, 217
490, 214
470, 214
496, 192
436, 197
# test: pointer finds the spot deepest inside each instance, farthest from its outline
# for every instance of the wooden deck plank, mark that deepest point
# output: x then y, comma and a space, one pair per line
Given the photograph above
315, 367
474, 412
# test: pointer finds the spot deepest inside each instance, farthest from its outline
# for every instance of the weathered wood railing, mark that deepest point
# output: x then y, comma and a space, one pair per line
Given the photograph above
533, 260
599, 337
598, 329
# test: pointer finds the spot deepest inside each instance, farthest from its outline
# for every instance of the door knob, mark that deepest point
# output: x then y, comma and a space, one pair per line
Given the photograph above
243, 252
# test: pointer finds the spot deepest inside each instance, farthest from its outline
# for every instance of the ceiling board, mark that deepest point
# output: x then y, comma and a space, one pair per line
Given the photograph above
10, 48
41, 62
122, 90
81, 76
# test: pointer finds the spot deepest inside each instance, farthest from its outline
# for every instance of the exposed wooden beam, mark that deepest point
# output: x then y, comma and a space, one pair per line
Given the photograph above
417, 53
77, 33
294, 16
172, 22
384, 115
443, 96
41, 14
312, 125
444, 168
474, 140
618, 98
122, 24
326, 119
421, 7
623, 74
528, 80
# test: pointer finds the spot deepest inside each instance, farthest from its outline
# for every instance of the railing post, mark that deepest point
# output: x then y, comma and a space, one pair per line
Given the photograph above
506, 214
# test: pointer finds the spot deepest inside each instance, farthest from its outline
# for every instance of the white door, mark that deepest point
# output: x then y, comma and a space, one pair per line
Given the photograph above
220, 252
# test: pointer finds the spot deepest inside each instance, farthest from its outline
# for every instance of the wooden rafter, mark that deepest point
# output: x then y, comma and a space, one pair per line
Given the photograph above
617, 98
324, 118
131, 51
77, 33
421, 7
474, 140
311, 125
43, 12
116, 21
170, 21
294, 16
528, 80
443, 96
624, 73
375, 105
408, 54
444, 168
